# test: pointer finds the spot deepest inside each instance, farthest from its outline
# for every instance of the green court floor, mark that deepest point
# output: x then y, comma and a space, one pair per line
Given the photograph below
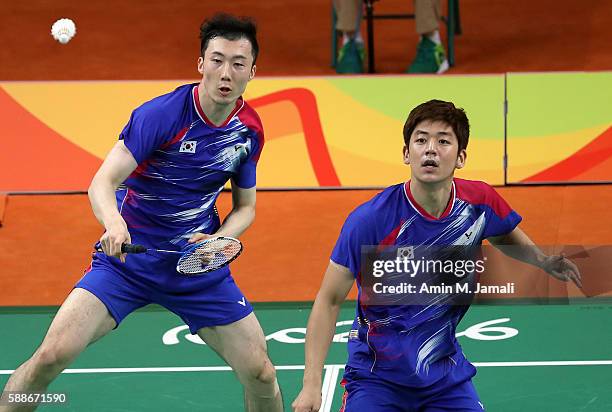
529, 358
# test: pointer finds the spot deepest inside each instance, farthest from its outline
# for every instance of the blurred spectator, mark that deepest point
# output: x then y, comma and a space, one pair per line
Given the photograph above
430, 56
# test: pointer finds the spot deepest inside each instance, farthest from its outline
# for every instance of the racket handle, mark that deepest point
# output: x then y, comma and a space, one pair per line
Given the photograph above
127, 248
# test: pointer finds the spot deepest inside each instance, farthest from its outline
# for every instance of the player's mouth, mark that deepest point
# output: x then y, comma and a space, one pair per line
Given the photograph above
430, 164
225, 91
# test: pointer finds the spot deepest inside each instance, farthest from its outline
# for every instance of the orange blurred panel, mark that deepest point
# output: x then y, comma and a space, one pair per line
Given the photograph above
279, 119
45, 245
598, 172
3, 200
541, 209
39, 158
46, 241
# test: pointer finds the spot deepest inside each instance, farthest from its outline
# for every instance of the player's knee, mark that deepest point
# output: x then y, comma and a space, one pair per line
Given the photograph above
261, 371
52, 359
266, 374
260, 381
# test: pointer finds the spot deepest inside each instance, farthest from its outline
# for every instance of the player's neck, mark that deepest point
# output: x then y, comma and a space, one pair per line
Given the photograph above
216, 113
432, 197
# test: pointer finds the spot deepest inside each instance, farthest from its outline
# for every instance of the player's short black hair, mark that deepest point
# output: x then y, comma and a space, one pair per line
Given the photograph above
439, 110
231, 28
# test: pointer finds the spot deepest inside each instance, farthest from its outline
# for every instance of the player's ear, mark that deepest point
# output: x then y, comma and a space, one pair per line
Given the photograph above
252, 74
201, 65
461, 158
406, 155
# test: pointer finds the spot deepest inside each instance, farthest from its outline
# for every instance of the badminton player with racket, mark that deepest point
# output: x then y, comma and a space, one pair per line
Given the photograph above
164, 242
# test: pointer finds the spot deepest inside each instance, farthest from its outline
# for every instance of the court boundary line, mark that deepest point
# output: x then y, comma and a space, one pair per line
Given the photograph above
330, 378
301, 367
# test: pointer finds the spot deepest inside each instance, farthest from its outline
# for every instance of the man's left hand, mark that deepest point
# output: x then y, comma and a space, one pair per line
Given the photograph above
199, 237
562, 268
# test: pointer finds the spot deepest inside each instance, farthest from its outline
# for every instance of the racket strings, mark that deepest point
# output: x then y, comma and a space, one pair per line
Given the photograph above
209, 256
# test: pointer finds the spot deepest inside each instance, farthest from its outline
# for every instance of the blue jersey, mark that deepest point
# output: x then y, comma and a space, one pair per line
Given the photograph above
184, 161
409, 344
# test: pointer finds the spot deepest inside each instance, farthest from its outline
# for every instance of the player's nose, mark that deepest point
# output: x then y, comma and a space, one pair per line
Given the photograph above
431, 147
225, 72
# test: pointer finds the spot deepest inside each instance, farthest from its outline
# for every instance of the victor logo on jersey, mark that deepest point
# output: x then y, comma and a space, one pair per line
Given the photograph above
188, 146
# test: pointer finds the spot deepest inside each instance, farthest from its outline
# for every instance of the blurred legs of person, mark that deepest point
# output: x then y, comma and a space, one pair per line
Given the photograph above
348, 23
430, 57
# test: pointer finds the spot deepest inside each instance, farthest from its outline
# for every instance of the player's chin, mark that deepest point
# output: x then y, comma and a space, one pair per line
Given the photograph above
432, 177
429, 174
228, 98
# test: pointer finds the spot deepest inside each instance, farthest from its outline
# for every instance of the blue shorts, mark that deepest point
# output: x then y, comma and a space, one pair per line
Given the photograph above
365, 392
200, 301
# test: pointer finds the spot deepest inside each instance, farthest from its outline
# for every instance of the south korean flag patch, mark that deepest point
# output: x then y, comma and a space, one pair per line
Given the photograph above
405, 252
188, 146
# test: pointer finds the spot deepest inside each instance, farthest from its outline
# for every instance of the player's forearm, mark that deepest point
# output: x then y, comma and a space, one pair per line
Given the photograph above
528, 254
319, 335
239, 220
519, 246
103, 202
115, 169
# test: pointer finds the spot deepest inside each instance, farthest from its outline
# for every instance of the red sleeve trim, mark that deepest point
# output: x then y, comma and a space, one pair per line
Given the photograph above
480, 193
250, 119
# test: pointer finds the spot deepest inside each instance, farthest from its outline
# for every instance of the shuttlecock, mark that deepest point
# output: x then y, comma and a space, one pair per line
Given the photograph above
63, 30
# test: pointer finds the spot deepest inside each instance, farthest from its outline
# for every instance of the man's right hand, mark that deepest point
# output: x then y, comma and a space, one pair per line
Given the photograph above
309, 400
114, 237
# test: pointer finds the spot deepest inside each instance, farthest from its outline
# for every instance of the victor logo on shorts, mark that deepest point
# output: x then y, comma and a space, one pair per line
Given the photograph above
188, 146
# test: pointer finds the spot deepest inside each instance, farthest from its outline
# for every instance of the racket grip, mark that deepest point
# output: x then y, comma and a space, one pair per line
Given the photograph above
127, 248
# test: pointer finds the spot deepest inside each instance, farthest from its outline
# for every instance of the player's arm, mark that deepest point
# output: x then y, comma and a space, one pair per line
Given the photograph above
240, 217
117, 166
242, 213
518, 245
336, 284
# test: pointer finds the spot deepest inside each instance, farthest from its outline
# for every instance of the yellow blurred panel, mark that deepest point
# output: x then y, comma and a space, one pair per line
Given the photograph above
532, 154
89, 114
346, 122
365, 144
379, 171
284, 162
385, 169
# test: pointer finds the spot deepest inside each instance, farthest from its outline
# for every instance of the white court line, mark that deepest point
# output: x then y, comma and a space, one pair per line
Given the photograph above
299, 367
329, 386
543, 363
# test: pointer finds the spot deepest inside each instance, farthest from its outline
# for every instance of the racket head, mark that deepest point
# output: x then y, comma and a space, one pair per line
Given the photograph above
209, 255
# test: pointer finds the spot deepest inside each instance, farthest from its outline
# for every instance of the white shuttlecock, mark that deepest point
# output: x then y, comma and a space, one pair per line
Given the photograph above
63, 30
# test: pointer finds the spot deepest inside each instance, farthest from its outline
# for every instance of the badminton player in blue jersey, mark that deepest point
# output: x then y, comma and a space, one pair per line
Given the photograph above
406, 357
158, 187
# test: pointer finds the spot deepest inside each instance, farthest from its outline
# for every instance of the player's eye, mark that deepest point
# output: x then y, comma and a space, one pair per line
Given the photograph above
238, 65
444, 141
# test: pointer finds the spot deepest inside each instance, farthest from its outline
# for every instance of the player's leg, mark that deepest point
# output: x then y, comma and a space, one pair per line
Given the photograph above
242, 345
100, 300
218, 312
81, 320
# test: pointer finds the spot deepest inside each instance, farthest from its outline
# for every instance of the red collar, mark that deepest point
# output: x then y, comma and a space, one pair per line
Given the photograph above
205, 119
423, 212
